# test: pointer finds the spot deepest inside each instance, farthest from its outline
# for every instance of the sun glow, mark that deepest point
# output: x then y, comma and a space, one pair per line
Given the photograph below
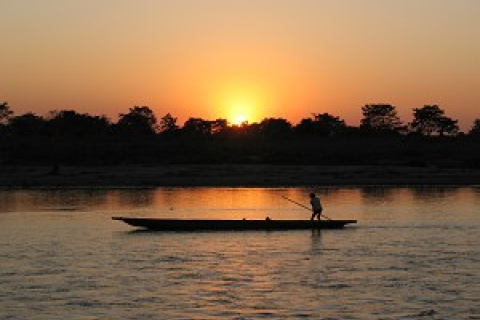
239, 120
241, 101
240, 112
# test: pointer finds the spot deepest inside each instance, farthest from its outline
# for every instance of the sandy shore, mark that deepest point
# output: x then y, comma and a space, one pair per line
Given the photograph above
230, 175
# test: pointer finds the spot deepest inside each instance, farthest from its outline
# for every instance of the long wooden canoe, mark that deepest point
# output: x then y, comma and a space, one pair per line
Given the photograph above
192, 225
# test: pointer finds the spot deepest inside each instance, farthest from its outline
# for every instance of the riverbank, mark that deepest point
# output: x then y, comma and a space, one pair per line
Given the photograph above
230, 175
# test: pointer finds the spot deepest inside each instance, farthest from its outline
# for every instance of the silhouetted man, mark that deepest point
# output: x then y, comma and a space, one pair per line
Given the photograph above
316, 206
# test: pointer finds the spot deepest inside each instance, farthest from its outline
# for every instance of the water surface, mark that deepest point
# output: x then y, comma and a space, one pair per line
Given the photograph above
413, 255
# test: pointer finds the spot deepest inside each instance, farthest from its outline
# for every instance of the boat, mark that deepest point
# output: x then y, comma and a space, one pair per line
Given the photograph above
209, 224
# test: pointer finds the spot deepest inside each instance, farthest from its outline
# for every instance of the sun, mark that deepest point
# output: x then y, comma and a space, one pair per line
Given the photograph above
240, 111
239, 103
239, 119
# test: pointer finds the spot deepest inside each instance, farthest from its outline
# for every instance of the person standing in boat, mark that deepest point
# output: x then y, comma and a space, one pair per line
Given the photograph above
316, 206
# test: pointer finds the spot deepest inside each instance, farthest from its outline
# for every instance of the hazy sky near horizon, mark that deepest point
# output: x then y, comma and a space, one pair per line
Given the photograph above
257, 58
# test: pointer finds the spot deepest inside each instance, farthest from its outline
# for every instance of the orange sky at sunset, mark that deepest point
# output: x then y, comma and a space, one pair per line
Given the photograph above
253, 58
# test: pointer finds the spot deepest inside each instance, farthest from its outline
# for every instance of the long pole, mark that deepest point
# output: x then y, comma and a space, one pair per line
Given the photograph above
303, 206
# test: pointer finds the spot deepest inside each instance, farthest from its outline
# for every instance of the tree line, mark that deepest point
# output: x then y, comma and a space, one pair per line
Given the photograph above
139, 137
378, 119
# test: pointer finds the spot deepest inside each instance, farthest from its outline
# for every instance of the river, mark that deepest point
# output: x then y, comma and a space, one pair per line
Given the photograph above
414, 254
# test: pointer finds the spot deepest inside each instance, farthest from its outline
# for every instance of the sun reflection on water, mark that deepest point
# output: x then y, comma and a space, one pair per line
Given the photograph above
413, 254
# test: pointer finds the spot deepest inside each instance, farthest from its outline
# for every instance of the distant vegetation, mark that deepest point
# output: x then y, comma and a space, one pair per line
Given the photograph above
69, 137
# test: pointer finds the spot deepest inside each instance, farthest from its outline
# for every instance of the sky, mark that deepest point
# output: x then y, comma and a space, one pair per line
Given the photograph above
241, 58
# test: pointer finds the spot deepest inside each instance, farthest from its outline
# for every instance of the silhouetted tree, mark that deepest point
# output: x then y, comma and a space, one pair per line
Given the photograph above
448, 126
168, 124
139, 120
251, 129
329, 124
430, 120
322, 124
475, 130
5, 113
219, 126
275, 128
27, 124
306, 127
197, 126
243, 130
380, 118
69, 122
201, 127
